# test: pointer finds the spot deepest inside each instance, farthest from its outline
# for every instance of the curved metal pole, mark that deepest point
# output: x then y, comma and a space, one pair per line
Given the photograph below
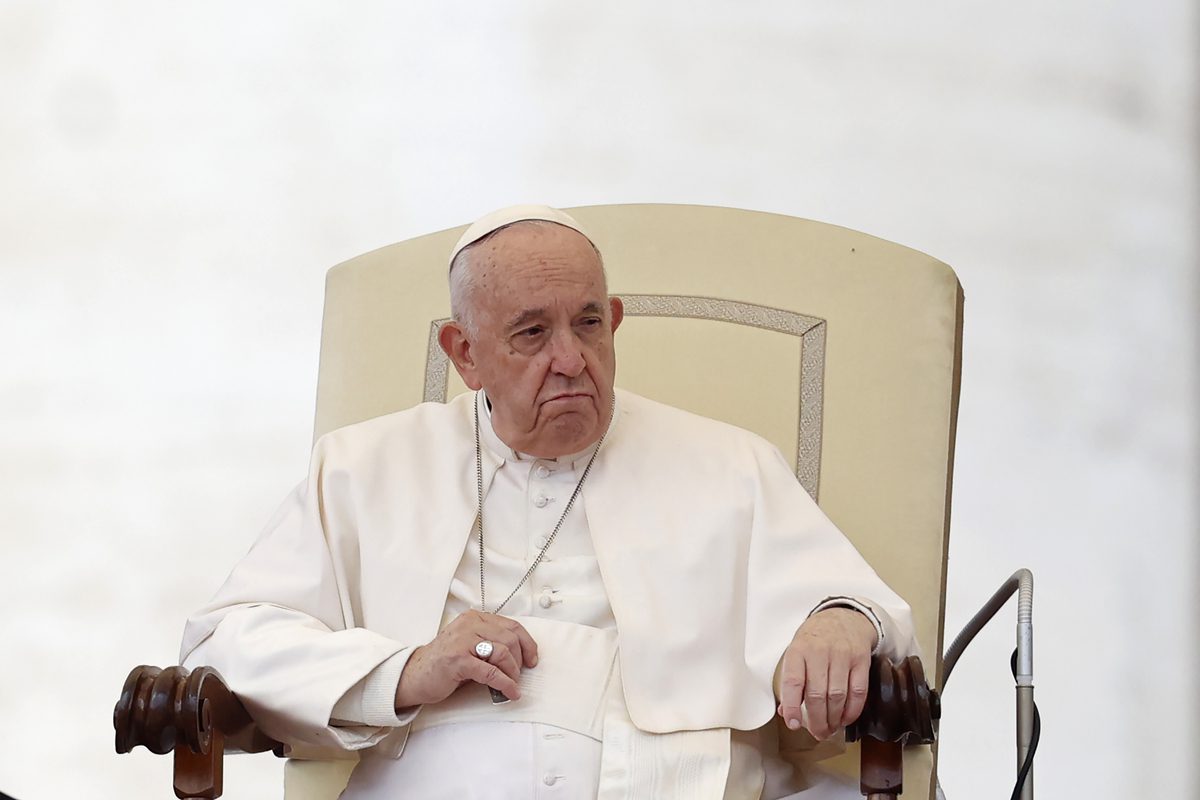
1021, 582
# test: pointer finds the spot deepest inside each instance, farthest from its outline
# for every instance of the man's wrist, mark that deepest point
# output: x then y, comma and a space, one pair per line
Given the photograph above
404, 702
859, 606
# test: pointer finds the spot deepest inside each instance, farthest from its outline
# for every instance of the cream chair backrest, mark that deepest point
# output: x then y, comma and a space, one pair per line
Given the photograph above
840, 348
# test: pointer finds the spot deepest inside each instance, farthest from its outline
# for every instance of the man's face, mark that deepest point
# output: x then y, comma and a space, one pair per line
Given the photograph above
542, 348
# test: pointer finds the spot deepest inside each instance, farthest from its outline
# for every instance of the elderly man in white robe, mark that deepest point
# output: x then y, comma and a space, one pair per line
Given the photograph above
548, 587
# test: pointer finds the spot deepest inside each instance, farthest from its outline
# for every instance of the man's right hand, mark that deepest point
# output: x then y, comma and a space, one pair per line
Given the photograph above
436, 669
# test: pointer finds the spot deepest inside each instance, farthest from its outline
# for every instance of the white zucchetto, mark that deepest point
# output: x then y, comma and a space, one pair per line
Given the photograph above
507, 216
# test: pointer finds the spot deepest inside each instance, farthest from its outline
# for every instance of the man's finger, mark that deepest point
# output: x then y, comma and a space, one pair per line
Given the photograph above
838, 687
860, 672
791, 691
503, 657
504, 640
529, 649
816, 673
480, 671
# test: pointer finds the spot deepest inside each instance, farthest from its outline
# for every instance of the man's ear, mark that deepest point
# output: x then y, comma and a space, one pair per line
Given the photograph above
457, 347
618, 312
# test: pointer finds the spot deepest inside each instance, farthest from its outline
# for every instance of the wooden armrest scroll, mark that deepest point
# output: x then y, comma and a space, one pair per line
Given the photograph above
193, 714
900, 709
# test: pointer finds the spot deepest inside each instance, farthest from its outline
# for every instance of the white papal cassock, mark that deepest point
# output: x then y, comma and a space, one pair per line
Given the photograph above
663, 606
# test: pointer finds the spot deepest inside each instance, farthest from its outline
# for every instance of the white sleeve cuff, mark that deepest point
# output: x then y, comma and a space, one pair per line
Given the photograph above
857, 605
372, 701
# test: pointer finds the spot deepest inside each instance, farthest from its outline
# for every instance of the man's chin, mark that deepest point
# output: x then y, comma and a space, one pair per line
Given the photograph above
569, 432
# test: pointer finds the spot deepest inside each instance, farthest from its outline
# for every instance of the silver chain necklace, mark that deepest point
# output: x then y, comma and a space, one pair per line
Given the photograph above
549, 539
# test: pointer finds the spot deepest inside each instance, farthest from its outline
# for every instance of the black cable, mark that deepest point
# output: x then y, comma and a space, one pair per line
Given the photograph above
1027, 765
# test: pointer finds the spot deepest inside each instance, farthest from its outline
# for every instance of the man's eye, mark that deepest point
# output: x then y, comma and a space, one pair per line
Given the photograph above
590, 322
529, 333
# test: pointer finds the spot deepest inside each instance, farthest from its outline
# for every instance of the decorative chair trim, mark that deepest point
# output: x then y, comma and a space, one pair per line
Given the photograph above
810, 330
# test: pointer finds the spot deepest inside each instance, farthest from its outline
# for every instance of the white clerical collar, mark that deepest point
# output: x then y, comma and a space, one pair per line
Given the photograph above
490, 440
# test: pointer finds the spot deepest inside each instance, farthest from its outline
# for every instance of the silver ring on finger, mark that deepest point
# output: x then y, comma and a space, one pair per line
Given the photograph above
485, 649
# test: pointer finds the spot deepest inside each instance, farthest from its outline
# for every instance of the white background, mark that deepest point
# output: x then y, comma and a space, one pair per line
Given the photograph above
177, 178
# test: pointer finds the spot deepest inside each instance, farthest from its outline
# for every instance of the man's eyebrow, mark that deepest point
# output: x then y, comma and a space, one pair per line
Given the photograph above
525, 316
530, 314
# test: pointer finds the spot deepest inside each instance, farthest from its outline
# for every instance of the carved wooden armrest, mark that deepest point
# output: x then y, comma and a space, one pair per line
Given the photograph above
196, 715
900, 709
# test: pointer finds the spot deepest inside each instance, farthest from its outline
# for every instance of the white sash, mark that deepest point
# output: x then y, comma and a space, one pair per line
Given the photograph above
577, 686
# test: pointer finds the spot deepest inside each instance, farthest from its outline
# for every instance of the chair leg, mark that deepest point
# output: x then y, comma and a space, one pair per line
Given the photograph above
199, 775
882, 772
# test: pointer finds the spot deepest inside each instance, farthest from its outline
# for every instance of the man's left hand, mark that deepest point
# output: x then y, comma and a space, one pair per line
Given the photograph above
825, 668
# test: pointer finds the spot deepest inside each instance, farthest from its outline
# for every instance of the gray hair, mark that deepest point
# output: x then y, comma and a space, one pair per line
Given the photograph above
464, 280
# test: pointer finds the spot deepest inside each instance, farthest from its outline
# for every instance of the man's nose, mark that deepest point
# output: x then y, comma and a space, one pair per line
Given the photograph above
566, 357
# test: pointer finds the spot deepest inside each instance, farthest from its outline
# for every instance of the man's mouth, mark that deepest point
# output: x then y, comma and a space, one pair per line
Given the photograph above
568, 396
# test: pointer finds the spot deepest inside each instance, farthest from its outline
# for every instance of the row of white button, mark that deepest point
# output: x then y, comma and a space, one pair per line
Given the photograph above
546, 599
